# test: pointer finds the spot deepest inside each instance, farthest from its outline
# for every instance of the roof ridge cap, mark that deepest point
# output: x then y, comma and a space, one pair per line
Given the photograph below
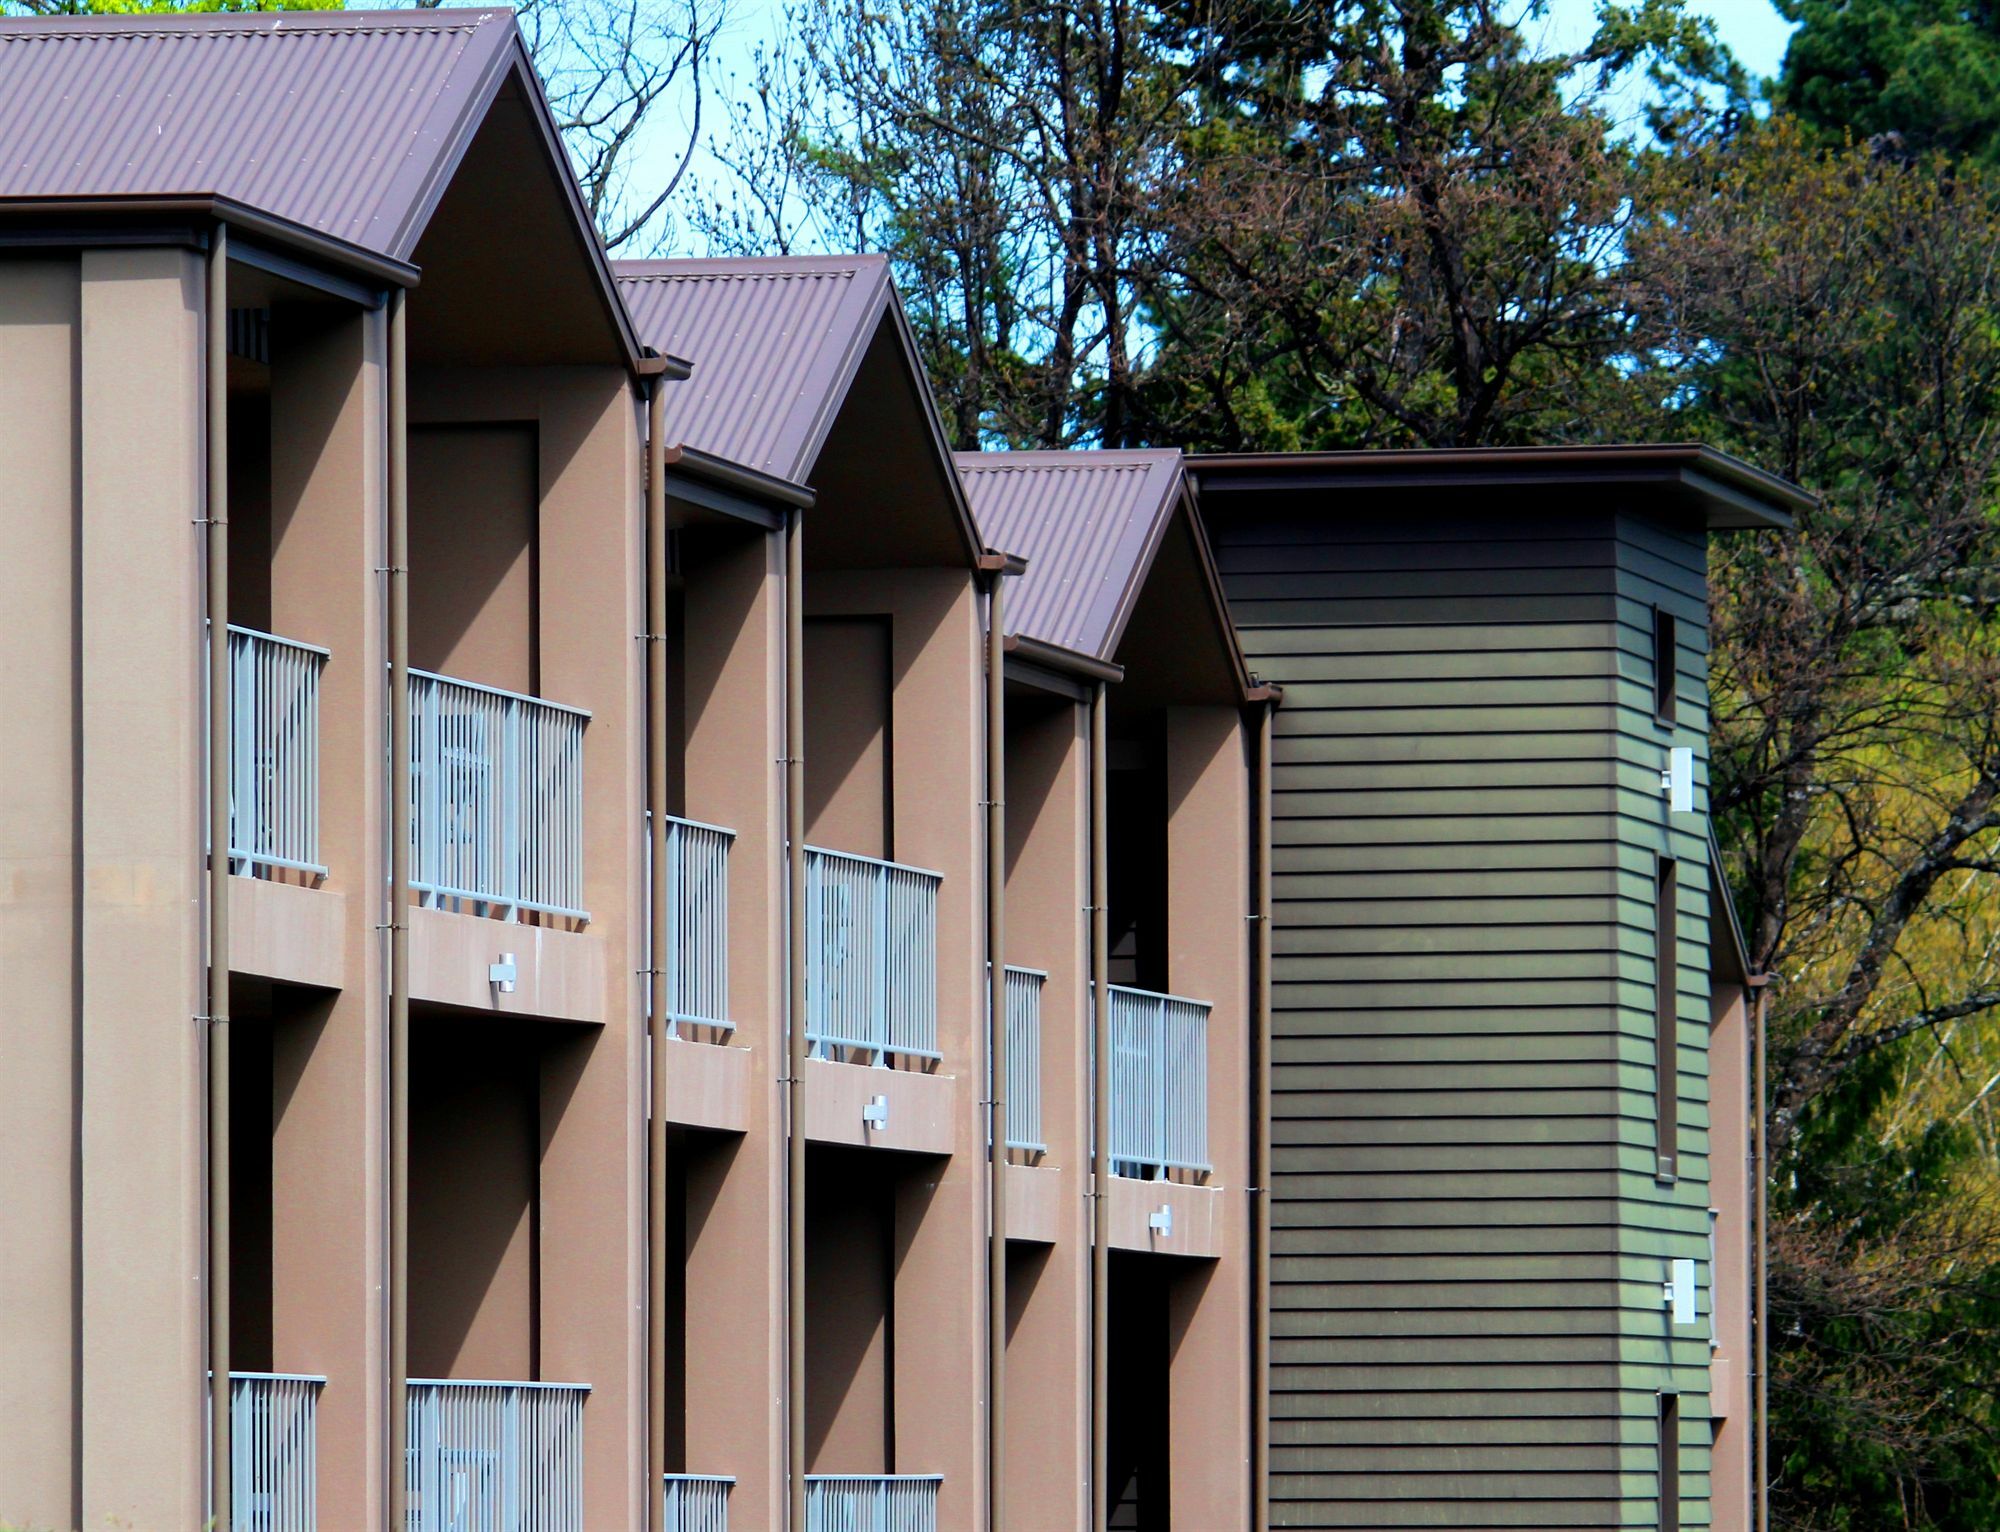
267, 24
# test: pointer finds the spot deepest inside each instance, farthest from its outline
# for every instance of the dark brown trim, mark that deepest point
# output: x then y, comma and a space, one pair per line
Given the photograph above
1733, 492
763, 488
208, 206
1067, 661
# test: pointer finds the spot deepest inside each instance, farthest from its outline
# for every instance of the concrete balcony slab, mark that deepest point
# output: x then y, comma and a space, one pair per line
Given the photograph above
918, 1107
287, 932
1196, 1213
708, 1086
1036, 1196
558, 975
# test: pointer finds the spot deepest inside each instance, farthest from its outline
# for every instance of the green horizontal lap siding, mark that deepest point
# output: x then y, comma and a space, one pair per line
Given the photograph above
1469, 1236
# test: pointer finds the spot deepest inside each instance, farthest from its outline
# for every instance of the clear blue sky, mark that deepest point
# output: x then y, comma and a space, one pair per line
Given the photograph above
1752, 28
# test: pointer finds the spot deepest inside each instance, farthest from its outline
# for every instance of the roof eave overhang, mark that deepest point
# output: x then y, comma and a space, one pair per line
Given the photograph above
79, 221
1070, 662
731, 489
1728, 493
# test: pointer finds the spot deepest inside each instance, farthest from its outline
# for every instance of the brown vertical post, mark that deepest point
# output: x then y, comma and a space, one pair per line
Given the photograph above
397, 456
1260, 1149
218, 875
656, 973
1100, 1137
996, 1023
795, 1019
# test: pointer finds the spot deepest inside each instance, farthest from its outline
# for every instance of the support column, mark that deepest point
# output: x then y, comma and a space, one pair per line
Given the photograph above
39, 809
142, 856
1208, 947
328, 1215
735, 744
1048, 1353
593, 1170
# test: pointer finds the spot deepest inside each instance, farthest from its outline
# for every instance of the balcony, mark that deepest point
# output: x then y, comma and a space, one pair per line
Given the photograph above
496, 800
696, 959
871, 959
273, 1452
1023, 995
274, 754
698, 1502
872, 1502
494, 1457
1159, 1084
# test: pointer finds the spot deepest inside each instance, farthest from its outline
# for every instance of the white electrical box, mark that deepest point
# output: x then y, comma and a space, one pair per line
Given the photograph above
1679, 1290
1677, 781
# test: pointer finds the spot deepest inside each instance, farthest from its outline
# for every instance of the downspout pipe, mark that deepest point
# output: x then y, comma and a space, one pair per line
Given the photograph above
996, 1024
219, 698
1260, 1167
795, 1015
397, 457
656, 972
1100, 1138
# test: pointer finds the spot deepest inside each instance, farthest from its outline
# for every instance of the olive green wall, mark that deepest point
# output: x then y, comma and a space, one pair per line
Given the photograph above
1470, 1237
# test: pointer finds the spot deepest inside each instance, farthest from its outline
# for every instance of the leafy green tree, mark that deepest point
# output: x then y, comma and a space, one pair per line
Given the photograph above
1401, 222
1835, 316
1913, 76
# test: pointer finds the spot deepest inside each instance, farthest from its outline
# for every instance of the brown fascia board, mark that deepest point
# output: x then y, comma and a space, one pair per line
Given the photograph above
735, 479
75, 219
1087, 667
968, 530
1211, 578
1734, 946
1730, 493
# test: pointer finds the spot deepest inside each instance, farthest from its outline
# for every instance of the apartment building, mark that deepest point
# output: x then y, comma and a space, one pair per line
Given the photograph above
691, 958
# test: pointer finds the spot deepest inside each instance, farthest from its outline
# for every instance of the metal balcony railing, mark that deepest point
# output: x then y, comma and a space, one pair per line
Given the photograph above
1023, 996
273, 1452
274, 753
697, 957
871, 957
1159, 1083
872, 1502
698, 1502
494, 1457
496, 799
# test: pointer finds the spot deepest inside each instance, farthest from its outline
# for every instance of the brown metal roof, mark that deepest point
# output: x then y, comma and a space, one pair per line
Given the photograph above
1724, 492
346, 123
1088, 523
775, 343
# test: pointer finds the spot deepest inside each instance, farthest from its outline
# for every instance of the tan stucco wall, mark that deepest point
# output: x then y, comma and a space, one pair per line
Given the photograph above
849, 798
39, 338
473, 503
327, 1145
589, 605
936, 769
1048, 1349
1208, 898
734, 1340
141, 387
1731, 1188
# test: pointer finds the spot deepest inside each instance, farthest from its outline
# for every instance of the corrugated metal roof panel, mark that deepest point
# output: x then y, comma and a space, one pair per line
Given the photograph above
773, 340
336, 121
1088, 523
